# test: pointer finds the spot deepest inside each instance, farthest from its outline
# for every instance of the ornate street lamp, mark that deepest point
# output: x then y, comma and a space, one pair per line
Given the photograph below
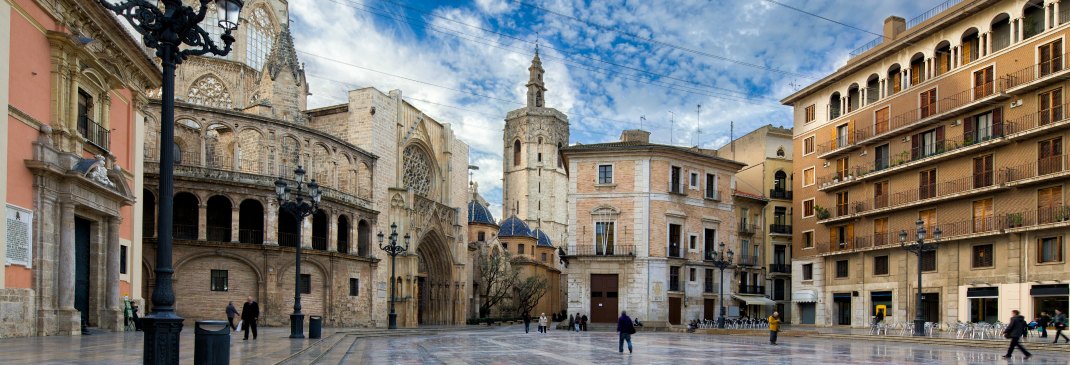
175, 33
919, 247
393, 249
722, 260
299, 208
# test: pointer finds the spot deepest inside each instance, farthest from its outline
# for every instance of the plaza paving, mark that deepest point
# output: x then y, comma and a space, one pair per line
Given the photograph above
509, 345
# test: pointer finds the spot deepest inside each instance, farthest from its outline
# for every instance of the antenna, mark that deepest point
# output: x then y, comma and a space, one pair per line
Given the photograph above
672, 125
732, 136
698, 128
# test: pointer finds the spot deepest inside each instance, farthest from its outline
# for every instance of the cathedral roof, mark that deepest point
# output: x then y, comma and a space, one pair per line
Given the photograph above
283, 55
477, 213
514, 227
542, 238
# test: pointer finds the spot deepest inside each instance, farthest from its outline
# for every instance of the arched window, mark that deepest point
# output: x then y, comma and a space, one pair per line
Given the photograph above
780, 152
417, 171
261, 36
209, 91
834, 105
895, 79
780, 181
178, 154
211, 25
516, 153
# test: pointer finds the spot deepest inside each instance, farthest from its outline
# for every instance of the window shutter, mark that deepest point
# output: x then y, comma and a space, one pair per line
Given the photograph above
997, 122
851, 132
967, 128
915, 146
966, 51
850, 233
834, 236
939, 138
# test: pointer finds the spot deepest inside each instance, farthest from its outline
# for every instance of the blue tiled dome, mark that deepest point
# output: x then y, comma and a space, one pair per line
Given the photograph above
514, 227
542, 238
477, 213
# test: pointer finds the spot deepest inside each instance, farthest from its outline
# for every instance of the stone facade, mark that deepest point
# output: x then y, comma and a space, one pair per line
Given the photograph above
956, 122
633, 212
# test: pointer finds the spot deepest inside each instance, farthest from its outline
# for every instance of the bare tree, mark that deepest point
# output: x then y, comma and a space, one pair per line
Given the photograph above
527, 293
496, 278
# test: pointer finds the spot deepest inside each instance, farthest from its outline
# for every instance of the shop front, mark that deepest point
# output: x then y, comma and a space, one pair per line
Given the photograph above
1049, 297
983, 304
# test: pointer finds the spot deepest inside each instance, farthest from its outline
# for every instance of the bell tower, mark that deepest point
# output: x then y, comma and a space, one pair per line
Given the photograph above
535, 181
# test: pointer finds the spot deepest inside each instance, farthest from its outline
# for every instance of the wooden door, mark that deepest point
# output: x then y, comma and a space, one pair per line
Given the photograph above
674, 310
81, 267
709, 309
604, 293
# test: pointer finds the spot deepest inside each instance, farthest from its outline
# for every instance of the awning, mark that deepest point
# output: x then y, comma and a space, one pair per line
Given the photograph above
754, 299
804, 296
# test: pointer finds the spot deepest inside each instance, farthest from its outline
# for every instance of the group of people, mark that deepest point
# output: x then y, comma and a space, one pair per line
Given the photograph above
578, 322
544, 323
250, 313
1018, 328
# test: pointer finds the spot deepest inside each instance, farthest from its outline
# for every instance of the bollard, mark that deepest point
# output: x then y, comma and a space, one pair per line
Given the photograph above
211, 347
315, 325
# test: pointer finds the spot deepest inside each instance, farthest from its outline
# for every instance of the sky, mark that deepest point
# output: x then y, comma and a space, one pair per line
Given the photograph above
685, 70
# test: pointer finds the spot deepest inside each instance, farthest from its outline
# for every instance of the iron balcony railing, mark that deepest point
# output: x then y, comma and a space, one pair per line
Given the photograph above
218, 234
1041, 168
677, 188
780, 228
254, 236
319, 243
1041, 70
780, 268
747, 260
614, 250
709, 287
288, 239
184, 232
780, 194
94, 132
713, 195
751, 289
674, 284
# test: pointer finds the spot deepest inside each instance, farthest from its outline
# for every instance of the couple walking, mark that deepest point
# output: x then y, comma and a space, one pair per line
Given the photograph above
544, 323
250, 313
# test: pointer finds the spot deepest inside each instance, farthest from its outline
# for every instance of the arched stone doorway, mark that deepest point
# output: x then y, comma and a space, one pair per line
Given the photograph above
219, 218
287, 229
251, 222
434, 282
319, 230
343, 234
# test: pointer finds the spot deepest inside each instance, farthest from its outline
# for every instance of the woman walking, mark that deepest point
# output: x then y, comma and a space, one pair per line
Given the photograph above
774, 327
544, 324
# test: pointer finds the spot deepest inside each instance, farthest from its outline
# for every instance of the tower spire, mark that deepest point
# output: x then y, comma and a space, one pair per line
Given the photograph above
536, 88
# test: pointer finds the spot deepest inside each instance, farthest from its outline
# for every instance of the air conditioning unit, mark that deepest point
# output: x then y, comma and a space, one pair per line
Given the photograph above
957, 122
1016, 103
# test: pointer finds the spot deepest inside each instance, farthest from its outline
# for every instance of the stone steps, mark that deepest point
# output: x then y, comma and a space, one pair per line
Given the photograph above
998, 344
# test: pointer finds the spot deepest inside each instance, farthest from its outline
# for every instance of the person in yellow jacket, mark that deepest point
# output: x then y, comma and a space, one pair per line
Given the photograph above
774, 327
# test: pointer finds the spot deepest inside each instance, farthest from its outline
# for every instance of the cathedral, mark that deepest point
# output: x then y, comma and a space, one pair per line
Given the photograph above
241, 123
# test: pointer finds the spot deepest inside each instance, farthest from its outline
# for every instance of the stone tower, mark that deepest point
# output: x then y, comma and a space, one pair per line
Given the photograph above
536, 182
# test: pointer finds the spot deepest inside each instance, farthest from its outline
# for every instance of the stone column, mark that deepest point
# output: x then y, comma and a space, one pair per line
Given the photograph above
306, 232
235, 215
66, 257
271, 223
332, 236
112, 313
202, 221
354, 245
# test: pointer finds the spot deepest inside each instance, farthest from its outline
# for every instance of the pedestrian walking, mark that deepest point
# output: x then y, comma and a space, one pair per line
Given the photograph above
231, 313
250, 313
583, 323
1060, 324
571, 323
527, 322
577, 327
774, 327
1044, 321
137, 320
544, 324
625, 330
1015, 330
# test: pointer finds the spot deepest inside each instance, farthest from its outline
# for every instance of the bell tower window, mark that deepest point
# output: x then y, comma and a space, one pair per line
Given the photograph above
516, 153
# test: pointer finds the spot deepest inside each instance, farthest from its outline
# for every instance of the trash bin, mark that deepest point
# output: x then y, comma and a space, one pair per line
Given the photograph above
315, 324
211, 347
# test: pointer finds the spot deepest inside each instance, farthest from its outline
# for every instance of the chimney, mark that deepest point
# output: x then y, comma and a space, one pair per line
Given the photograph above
893, 27
635, 135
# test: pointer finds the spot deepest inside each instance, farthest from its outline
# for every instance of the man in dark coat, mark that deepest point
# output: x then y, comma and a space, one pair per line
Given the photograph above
250, 313
1015, 330
625, 329
583, 322
231, 313
527, 323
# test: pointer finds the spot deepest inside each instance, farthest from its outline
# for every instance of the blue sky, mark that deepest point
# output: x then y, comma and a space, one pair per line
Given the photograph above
608, 63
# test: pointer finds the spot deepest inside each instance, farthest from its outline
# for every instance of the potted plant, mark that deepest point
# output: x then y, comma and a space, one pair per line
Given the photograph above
860, 207
1014, 220
1061, 214
968, 140
822, 213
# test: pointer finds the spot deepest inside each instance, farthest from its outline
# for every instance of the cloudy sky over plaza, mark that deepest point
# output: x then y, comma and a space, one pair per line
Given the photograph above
608, 63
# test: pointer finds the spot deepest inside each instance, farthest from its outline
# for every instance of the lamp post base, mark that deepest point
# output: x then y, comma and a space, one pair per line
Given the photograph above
297, 325
919, 327
720, 322
393, 321
161, 339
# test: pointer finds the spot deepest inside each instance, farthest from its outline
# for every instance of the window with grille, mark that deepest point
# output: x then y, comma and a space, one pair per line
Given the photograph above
982, 256
1051, 106
219, 280
708, 281
927, 184
880, 265
306, 284
354, 287
928, 261
842, 268
605, 174
982, 171
808, 271
1050, 249
927, 101
1051, 57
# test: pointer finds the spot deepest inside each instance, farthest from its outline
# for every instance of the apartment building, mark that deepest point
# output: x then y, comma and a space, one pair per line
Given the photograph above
954, 118
644, 222
768, 174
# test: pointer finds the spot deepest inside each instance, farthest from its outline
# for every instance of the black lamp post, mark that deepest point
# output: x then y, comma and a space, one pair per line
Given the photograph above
393, 249
918, 248
299, 208
722, 260
175, 33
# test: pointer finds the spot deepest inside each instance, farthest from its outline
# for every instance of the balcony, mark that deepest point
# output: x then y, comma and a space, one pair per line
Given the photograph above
710, 288
677, 188
713, 195
185, 232
253, 236
747, 228
751, 289
780, 229
94, 132
674, 284
218, 234
927, 194
780, 194
602, 251
1037, 76
747, 260
780, 268
1037, 171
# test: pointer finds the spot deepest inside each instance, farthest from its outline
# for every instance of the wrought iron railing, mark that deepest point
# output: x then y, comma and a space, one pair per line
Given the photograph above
94, 132
218, 234
751, 289
780, 228
184, 232
780, 194
599, 250
780, 268
254, 236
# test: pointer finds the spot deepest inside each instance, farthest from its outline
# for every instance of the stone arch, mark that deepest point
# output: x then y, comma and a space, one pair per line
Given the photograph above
243, 279
434, 286
364, 184
854, 95
219, 141
1032, 18
364, 238
516, 152
219, 218
209, 90
895, 79
917, 68
834, 105
1000, 33
780, 180
287, 229
320, 166
250, 151
186, 214
251, 221
942, 58
289, 155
